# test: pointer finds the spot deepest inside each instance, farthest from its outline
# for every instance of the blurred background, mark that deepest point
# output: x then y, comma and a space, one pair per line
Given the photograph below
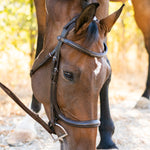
18, 34
127, 55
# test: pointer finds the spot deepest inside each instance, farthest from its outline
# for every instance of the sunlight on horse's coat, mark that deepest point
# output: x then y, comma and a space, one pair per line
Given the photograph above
98, 68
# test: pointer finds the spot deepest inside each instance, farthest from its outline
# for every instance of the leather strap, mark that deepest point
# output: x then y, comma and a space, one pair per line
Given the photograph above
55, 110
28, 111
82, 49
47, 58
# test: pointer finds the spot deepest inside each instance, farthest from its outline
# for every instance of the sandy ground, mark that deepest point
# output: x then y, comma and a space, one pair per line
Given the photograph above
132, 125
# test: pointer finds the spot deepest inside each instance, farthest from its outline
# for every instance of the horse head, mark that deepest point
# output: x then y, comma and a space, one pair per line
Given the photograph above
82, 71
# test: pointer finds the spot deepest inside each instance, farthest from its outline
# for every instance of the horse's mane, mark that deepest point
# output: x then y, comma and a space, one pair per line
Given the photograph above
92, 33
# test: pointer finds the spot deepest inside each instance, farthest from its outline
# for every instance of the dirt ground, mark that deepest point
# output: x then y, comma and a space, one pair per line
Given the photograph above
132, 125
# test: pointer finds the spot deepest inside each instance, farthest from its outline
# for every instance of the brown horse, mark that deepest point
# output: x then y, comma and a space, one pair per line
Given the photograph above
81, 75
142, 18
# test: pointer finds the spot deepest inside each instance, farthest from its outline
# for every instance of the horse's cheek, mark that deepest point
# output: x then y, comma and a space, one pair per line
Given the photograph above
41, 89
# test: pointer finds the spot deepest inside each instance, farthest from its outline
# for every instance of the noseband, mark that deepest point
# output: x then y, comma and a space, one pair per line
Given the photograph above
56, 113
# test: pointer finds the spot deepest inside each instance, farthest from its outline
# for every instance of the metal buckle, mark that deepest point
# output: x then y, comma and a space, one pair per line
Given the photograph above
61, 137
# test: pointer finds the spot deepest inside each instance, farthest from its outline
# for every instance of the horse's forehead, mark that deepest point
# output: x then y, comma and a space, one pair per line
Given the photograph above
83, 62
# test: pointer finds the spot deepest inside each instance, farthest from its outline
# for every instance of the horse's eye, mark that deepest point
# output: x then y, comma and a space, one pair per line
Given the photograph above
68, 75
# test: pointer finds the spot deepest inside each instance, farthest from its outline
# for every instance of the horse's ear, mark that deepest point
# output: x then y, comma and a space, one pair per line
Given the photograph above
86, 16
107, 23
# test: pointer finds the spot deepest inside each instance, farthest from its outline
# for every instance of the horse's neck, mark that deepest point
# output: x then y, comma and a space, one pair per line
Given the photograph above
58, 15
51, 34
141, 5
60, 12
102, 10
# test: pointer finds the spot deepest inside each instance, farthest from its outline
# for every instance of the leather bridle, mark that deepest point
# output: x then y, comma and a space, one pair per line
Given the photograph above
56, 113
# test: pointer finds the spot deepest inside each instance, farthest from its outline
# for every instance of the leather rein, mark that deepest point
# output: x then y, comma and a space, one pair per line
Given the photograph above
56, 113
